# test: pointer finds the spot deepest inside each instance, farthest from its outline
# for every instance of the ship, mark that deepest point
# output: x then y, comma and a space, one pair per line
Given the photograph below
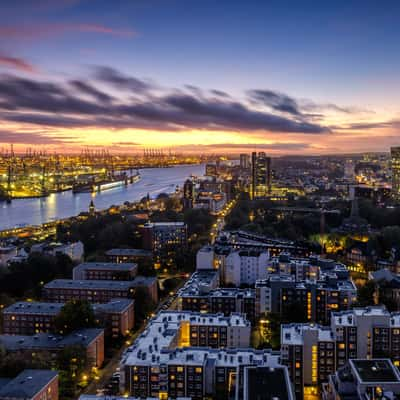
105, 184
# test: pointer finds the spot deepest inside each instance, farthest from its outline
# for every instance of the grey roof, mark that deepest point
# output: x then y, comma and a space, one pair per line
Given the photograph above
129, 252
47, 341
46, 308
89, 284
106, 266
113, 306
144, 281
375, 370
264, 383
27, 384
36, 308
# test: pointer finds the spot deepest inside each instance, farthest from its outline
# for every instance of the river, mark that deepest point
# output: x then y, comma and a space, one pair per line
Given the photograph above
66, 204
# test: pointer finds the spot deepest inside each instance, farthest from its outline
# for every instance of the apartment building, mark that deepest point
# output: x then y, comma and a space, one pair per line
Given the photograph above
201, 294
317, 298
30, 384
105, 271
29, 318
128, 255
245, 267
166, 362
98, 291
164, 238
361, 379
309, 353
91, 339
360, 333
95, 291
75, 251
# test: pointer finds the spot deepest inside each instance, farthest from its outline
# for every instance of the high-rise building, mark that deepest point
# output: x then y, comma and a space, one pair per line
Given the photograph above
395, 156
261, 175
188, 194
244, 161
349, 170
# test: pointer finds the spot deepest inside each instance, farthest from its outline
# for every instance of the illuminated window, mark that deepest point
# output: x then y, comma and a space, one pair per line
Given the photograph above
179, 369
198, 370
341, 346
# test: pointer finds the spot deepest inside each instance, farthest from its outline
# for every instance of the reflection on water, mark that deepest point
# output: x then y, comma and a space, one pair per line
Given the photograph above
67, 204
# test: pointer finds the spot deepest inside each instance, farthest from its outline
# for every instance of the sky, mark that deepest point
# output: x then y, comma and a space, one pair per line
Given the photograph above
285, 77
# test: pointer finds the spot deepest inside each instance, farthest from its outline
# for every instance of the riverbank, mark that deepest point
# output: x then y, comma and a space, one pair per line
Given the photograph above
34, 212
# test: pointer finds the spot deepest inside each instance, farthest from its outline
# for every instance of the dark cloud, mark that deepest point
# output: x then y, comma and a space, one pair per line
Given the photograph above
233, 115
368, 125
254, 146
112, 76
219, 93
81, 104
85, 88
277, 101
308, 109
310, 106
33, 95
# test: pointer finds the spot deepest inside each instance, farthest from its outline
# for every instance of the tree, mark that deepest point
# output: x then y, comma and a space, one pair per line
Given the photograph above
143, 305
71, 363
295, 313
365, 295
74, 315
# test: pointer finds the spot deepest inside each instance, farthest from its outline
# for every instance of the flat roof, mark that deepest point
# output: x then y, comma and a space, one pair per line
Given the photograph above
164, 224
144, 281
27, 384
129, 252
35, 308
48, 341
47, 308
89, 284
106, 266
152, 346
375, 370
293, 334
264, 383
114, 305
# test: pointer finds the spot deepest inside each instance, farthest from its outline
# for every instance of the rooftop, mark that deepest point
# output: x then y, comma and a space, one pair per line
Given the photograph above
264, 383
87, 284
375, 371
46, 308
27, 384
129, 252
35, 308
153, 346
106, 266
47, 341
164, 224
199, 281
293, 334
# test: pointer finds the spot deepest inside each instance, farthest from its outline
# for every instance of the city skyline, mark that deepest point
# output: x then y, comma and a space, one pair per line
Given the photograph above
231, 77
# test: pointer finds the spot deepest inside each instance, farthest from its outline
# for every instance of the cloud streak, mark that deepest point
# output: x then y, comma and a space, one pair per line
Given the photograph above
16, 63
51, 30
